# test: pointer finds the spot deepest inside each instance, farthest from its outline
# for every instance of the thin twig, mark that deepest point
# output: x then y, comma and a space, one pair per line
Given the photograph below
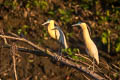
116, 66
13, 34
63, 60
13, 52
2, 32
79, 61
80, 55
86, 77
107, 77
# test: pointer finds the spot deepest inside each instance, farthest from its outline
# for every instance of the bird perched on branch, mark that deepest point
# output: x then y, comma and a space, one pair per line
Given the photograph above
56, 33
91, 48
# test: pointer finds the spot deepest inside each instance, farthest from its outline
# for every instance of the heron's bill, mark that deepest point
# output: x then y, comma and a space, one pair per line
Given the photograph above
75, 24
45, 23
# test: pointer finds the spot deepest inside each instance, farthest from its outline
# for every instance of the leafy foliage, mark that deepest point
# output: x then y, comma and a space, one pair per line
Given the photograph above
71, 52
65, 14
23, 30
105, 38
42, 4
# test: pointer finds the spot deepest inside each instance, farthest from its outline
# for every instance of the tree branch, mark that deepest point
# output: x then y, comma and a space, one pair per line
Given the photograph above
63, 60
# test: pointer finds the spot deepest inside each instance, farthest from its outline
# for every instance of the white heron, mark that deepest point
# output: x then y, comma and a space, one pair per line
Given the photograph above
56, 33
91, 48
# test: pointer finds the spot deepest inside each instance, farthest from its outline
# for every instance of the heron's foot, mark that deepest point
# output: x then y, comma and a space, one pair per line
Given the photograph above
88, 68
58, 58
60, 53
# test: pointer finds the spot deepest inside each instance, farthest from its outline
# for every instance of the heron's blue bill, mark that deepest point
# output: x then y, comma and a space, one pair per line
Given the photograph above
77, 24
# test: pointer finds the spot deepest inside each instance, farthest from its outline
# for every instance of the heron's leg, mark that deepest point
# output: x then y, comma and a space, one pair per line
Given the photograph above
58, 57
60, 52
91, 66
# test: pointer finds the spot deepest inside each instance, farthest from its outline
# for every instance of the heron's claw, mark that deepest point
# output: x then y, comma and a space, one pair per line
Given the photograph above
58, 58
88, 68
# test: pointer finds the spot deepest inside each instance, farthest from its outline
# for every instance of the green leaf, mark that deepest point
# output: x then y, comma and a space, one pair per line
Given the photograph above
104, 34
117, 49
64, 50
70, 53
27, 5
97, 13
25, 33
25, 26
76, 50
51, 13
61, 11
104, 38
75, 57
108, 31
84, 6
43, 4
108, 13
36, 3
30, 60
69, 50
19, 31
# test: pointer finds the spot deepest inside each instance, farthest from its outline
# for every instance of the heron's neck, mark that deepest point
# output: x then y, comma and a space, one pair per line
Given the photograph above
51, 26
86, 35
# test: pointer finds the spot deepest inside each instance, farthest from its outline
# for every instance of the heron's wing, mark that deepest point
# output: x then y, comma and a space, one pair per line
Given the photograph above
89, 30
87, 51
93, 51
62, 38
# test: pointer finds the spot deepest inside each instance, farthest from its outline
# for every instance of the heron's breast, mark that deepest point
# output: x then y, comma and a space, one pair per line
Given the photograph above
92, 49
54, 33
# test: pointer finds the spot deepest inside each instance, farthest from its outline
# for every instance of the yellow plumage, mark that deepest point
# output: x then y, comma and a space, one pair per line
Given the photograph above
56, 33
91, 48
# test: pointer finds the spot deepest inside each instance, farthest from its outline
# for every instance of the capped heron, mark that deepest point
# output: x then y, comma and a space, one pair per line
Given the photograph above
91, 48
56, 33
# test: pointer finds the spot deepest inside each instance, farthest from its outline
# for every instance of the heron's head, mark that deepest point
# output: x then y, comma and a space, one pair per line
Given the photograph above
83, 26
48, 22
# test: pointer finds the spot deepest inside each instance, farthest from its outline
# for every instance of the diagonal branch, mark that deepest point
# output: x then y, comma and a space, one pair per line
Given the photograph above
63, 60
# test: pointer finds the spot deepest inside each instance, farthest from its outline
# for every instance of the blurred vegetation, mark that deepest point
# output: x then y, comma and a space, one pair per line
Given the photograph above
37, 3
23, 30
72, 52
105, 38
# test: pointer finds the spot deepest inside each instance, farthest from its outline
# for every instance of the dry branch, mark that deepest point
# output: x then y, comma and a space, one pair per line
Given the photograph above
2, 32
13, 52
63, 60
